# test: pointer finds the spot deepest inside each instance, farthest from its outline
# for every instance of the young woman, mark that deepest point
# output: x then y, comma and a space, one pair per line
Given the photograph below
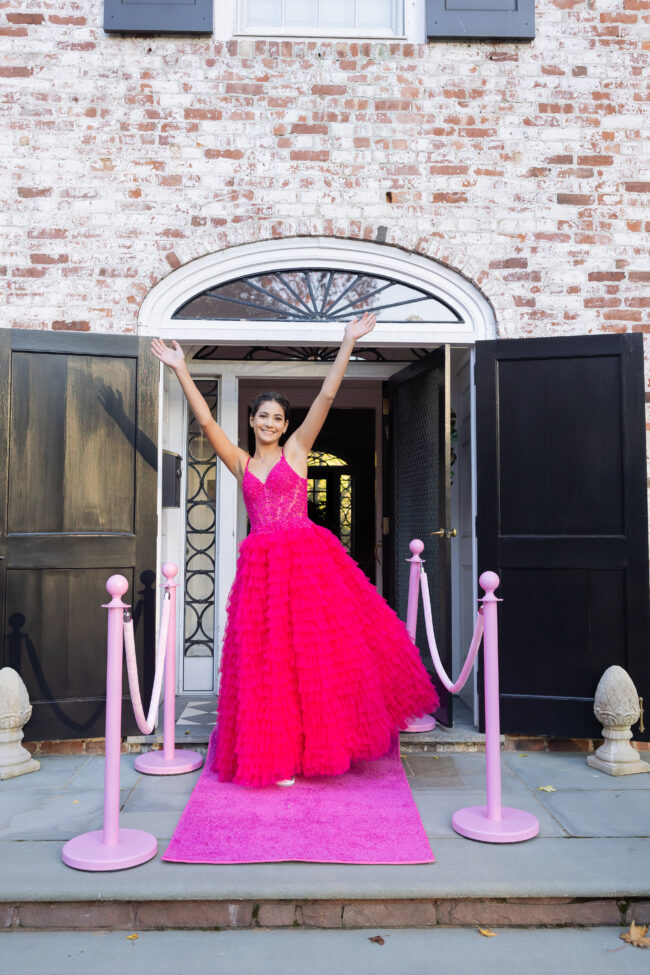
316, 669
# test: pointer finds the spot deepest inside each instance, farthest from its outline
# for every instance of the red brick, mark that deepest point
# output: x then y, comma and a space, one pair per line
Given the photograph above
329, 90
25, 18
575, 199
310, 155
202, 114
509, 262
637, 187
620, 315
302, 128
67, 21
59, 325
448, 170
639, 276
449, 198
223, 154
49, 258
15, 71
30, 192
71, 747
244, 88
606, 275
595, 160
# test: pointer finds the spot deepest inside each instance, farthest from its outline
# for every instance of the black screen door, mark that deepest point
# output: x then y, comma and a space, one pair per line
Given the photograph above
418, 494
562, 518
78, 425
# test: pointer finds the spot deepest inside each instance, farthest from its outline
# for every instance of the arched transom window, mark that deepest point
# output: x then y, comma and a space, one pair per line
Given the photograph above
316, 295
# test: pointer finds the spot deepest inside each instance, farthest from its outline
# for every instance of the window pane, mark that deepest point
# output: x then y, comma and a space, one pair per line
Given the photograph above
301, 13
264, 13
375, 13
337, 13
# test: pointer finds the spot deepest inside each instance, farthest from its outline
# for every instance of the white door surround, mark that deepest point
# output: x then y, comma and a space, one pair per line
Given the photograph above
191, 279
156, 318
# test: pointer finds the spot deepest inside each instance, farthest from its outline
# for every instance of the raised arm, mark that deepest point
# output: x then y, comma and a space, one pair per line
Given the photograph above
233, 457
302, 440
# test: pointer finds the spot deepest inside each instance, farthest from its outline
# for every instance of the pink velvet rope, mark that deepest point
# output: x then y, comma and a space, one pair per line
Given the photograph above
146, 725
435, 656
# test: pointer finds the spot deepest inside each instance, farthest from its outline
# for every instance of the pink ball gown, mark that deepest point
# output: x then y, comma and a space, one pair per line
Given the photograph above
316, 669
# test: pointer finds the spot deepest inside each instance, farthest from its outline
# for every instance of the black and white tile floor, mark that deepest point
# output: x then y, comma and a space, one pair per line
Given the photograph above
195, 719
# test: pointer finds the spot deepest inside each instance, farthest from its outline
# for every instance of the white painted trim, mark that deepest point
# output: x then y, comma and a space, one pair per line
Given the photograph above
226, 24
204, 368
180, 286
226, 502
472, 366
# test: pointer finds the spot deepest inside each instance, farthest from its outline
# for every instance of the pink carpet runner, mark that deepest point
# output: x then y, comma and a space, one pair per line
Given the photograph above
366, 815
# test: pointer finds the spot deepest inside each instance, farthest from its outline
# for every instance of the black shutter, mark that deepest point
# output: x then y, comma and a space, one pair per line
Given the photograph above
562, 518
161, 16
78, 457
481, 19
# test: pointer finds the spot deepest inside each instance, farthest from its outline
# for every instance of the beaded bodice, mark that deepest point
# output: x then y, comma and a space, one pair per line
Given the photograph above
278, 502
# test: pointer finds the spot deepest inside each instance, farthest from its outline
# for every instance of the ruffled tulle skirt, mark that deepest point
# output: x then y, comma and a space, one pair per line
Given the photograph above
316, 669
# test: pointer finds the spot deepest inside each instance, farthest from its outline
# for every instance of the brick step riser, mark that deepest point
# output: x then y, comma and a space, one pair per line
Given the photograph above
381, 914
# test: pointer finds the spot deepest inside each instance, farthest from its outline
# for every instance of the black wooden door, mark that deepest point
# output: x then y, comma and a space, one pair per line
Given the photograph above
78, 425
417, 456
562, 518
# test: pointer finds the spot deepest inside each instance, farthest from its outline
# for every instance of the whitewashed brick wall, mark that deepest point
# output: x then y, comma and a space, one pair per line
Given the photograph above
521, 165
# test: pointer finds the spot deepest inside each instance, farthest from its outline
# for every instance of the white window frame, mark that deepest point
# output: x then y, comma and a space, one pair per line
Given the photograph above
229, 23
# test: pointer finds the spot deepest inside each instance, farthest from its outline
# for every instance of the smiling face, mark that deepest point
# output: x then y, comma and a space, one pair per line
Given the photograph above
269, 423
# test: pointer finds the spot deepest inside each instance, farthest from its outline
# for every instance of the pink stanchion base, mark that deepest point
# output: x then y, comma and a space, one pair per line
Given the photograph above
89, 852
514, 826
427, 723
155, 763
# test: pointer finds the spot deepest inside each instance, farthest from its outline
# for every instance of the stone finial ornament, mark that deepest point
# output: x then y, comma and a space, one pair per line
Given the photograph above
616, 705
15, 711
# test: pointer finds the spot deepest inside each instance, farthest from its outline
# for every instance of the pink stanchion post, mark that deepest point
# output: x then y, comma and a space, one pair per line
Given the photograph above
493, 823
427, 722
171, 760
112, 848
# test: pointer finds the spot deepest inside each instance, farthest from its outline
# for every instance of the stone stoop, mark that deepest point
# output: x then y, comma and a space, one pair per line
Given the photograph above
344, 914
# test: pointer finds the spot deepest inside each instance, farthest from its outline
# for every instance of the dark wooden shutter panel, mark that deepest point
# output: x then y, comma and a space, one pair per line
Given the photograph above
481, 19
160, 16
78, 458
562, 518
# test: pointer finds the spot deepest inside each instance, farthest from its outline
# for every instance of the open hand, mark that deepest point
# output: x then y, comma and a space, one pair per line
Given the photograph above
358, 327
169, 357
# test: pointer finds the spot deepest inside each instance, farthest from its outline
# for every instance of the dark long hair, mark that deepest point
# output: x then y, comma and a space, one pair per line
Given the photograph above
273, 398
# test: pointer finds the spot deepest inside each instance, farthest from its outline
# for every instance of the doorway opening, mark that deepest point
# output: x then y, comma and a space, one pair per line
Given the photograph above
352, 473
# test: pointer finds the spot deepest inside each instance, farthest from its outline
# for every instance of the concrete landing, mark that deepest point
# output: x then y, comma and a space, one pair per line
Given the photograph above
598, 951
588, 866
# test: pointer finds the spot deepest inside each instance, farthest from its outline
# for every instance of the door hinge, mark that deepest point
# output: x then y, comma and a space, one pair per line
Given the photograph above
385, 526
385, 406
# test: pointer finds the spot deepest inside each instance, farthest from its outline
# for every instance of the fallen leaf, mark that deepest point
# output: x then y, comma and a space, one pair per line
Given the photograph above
487, 933
377, 939
132, 937
523, 755
74, 802
546, 788
637, 935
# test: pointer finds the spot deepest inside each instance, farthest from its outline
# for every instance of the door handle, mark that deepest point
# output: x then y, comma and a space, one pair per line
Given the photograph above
445, 533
